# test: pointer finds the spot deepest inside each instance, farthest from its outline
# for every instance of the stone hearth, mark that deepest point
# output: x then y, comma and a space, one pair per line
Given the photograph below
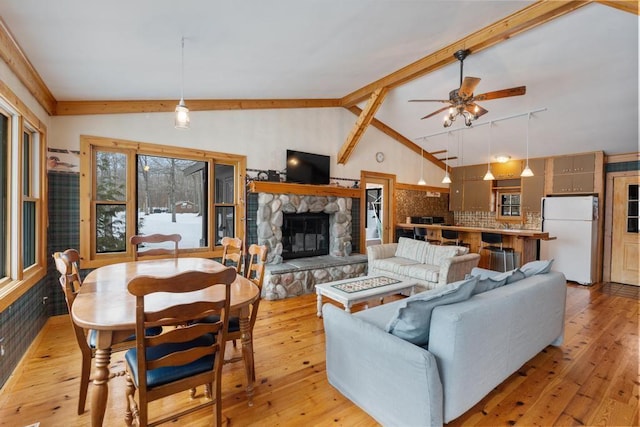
299, 276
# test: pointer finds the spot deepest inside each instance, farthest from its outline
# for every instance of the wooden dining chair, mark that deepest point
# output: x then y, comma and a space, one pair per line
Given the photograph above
187, 353
158, 245
67, 265
232, 252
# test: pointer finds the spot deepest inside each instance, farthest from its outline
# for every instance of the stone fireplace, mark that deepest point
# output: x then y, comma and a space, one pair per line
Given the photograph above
272, 209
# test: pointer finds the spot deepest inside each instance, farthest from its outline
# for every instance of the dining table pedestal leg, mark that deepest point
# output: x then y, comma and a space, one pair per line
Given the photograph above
100, 391
247, 353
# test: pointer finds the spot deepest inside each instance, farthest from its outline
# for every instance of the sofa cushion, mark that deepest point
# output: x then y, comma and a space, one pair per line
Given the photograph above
488, 284
515, 275
425, 272
436, 254
536, 267
412, 249
413, 316
393, 264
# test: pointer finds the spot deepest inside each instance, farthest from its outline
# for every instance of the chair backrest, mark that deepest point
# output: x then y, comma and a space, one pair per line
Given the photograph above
419, 231
491, 238
449, 234
257, 256
70, 282
232, 252
181, 320
159, 243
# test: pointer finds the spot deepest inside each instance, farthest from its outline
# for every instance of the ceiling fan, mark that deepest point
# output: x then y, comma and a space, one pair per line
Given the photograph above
462, 102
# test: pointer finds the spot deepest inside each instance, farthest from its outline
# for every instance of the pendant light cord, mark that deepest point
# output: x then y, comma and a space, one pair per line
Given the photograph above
182, 74
528, 119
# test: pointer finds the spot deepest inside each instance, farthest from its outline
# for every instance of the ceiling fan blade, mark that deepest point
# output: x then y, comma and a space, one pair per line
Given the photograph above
475, 109
504, 93
435, 112
430, 100
468, 86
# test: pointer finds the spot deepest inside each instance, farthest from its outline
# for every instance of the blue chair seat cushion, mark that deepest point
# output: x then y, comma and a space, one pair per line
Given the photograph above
164, 375
234, 322
150, 332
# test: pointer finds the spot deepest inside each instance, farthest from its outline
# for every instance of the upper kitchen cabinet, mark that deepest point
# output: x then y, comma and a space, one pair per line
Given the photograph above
477, 196
473, 172
574, 174
456, 189
532, 188
507, 170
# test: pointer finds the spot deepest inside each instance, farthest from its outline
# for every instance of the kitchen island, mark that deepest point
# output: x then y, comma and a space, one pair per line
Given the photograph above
523, 242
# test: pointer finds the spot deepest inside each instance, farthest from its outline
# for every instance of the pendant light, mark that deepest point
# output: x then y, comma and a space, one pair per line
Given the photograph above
447, 178
489, 176
421, 181
527, 172
182, 112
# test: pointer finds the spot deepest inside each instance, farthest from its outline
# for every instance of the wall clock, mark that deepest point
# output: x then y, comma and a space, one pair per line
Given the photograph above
380, 157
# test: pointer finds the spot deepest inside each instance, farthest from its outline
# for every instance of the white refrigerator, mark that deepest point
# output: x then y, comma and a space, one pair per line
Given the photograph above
573, 221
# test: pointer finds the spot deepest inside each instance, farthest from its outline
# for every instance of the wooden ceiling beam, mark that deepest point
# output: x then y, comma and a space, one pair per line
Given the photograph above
627, 6
525, 19
11, 53
78, 108
400, 138
365, 117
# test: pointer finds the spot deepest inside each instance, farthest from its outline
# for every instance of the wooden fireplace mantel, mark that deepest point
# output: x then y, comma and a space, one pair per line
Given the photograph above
303, 189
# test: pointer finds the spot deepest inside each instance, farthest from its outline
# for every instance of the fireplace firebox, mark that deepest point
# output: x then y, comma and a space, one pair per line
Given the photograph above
305, 235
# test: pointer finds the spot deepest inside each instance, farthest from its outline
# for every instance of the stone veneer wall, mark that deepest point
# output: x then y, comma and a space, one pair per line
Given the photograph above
270, 216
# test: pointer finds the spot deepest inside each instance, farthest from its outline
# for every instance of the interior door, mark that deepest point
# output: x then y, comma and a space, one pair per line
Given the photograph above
625, 237
387, 210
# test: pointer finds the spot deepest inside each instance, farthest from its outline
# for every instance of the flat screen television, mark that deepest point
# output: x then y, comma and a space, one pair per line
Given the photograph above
307, 168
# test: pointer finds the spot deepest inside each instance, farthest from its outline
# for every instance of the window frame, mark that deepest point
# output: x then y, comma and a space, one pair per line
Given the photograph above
18, 279
88, 147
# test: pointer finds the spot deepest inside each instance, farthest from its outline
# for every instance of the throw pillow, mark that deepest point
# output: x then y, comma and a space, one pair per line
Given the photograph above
488, 284
411, 249
515, 275
536, 267
413, 317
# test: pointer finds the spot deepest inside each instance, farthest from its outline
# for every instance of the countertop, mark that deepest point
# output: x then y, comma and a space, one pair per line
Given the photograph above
524, 234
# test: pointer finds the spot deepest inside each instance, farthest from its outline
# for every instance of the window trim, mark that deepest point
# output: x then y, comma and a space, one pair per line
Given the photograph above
90, 144
18, 279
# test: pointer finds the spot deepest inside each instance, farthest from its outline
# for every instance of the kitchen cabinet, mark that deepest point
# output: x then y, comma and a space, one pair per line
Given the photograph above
456, 190
474, 172
477, 196
507, 170
574, 174
532, 188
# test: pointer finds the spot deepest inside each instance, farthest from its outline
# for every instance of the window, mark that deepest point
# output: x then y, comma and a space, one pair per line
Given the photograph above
139, 188
508, 205
633, 206
22, 236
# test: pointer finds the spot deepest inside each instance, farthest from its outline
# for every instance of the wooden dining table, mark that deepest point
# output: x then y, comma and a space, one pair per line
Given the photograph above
105, 305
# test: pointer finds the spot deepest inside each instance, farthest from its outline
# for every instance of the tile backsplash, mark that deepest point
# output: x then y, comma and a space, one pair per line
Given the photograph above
532, 221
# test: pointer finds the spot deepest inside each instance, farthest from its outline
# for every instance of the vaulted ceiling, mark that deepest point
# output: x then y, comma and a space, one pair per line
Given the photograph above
579, 62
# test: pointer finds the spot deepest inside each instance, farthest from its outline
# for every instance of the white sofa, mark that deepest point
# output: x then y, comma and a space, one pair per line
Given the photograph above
473, 346
428, 265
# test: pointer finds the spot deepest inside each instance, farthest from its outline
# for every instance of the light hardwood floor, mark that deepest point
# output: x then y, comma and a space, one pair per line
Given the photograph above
591, 380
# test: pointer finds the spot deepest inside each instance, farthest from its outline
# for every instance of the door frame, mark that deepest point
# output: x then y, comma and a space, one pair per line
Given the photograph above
388, 182
608, 216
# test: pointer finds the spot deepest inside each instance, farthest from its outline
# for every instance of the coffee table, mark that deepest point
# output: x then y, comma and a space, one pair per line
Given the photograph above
361, 289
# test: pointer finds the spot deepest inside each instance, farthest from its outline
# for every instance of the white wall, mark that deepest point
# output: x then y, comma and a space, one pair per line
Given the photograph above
262, 135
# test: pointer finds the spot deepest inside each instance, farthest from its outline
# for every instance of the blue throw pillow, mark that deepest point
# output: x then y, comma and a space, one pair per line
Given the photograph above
536, 267
488, 284
515, 275
413, 317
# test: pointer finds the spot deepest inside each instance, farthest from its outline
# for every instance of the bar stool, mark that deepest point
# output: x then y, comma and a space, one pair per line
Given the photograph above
420, 233
494, 246
449, 237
